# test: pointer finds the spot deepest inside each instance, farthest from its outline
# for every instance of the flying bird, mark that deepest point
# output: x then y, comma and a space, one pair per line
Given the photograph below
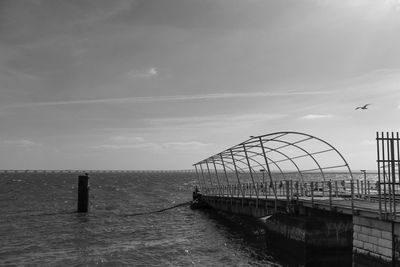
363, 107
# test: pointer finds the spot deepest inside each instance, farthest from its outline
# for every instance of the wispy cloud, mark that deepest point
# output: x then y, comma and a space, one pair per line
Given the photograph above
316, 116
167, 146
150, 99
215, 120
192, 145
148, 73
21, 143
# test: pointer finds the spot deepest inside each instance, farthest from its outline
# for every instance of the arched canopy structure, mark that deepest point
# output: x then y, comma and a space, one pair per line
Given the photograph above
274, 157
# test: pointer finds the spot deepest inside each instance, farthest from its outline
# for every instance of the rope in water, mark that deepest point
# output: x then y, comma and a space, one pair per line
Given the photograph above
161, 210
125, 215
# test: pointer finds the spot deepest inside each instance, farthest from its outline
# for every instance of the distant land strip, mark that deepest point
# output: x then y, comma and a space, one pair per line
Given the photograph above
96, 171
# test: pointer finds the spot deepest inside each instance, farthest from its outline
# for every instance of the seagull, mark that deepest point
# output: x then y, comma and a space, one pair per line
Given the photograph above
363, 107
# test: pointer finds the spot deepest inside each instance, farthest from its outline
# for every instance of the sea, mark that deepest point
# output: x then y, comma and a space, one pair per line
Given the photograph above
134, 219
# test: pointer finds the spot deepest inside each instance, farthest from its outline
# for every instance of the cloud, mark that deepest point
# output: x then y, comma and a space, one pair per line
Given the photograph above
124, 138
151, 99
151, 72
126, 146
181, 146
215, 120
22, 143
192, 145
317, 116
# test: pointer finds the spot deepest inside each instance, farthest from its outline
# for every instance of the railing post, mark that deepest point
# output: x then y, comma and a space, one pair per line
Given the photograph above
336, 189
291, 189
369, 190
287, 191
352, 196
330, 194
378, 185
312, 193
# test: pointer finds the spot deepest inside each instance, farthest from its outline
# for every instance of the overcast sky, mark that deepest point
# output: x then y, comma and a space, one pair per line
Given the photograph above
162, 84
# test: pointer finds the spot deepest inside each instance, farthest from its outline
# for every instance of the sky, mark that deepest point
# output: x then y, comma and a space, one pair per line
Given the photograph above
162, 84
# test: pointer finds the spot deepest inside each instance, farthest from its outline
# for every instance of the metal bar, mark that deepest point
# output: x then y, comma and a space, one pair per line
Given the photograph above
384, 174
251, 173
398, 155
312, 193
216, 173
352, 196
202, 173
209, 173
393, 174
336, 189
269, 173
379, 175
226, 175
389, 173
237, 174
330, 193
198, 177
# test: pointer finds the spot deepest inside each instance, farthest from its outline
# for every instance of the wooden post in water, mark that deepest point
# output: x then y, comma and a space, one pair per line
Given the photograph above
83, 193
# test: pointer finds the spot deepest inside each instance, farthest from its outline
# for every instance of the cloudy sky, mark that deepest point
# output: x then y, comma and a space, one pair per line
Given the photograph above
161, 84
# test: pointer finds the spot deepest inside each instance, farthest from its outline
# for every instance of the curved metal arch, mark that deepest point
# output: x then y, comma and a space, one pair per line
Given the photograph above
321, 140
283, 154
307, 153
272, 161
282, 137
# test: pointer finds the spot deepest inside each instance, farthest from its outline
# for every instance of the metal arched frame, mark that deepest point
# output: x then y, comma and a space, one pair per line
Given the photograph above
244, 153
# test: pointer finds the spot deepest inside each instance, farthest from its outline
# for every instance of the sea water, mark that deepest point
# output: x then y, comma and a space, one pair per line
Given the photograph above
39, 225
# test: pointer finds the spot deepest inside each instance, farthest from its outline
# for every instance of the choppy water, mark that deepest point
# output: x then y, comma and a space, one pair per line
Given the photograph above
39, 226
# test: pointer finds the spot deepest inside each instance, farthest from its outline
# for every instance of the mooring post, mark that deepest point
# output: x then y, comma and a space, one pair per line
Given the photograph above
83, 193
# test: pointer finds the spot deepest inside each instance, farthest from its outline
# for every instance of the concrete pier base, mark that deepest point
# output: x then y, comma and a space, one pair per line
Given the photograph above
311, 241
375, 242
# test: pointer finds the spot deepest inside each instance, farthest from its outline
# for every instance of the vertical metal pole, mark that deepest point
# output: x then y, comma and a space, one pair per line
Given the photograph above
352, 195
269, 173
336, 189
369, 190
216, 172
379, 175
330, 193
226, 175
389, 172
398, 157
202, 173
251, 173
209, 176
312, 194
198, 178
237, 174
384, 173
365, 181
287, 193
392, 162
